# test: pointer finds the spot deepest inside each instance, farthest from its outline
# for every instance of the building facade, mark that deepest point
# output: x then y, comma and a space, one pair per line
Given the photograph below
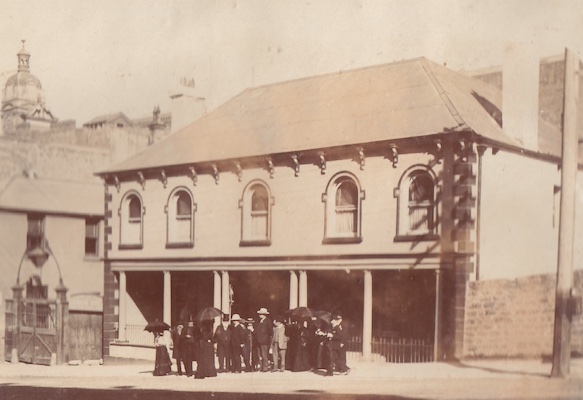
379, 193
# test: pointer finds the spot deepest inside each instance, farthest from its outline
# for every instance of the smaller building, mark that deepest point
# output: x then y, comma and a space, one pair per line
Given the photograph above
66, 219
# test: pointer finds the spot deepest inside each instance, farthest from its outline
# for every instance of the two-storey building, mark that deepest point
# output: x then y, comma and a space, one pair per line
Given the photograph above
377, 192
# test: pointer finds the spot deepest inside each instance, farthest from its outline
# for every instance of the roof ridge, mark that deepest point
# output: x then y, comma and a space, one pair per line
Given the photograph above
441, 91
339, 72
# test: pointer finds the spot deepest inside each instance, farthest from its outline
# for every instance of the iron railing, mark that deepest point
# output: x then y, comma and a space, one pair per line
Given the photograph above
135, 334
396, 350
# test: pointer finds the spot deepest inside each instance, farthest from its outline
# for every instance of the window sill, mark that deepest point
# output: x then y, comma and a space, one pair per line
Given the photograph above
342, 240
426, 237
182, 245
251, 243
91, 258
138, 246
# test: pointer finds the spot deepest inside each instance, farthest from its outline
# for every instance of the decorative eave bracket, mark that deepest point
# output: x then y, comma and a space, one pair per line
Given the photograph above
193, 175
322, 162
394, 155
296, 161
142, 180
238, 171
361, 158
215, 173
163, 178
438, 151
116, 182
270, 167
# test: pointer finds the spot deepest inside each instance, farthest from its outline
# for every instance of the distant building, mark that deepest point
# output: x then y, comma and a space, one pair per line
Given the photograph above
23, 104
117, 120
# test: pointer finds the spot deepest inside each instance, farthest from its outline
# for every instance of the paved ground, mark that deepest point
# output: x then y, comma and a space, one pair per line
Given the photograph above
468, 380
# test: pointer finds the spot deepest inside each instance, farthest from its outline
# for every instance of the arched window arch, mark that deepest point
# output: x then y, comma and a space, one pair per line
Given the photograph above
180, 213
343, 200
256, 215
417, 197
131, 215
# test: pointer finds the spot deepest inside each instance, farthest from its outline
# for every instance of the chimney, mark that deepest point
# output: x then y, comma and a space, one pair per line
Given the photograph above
186, 106
520, 87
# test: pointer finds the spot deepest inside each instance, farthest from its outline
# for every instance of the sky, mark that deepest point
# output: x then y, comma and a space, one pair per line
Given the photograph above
100, 57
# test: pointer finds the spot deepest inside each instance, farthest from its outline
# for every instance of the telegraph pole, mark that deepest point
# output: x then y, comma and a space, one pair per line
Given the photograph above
564, 298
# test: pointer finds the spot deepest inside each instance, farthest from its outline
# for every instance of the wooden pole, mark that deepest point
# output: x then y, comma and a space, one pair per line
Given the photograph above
562, 333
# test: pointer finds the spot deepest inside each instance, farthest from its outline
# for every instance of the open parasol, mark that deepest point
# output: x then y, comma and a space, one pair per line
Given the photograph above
300, 312
207, 314
157, 326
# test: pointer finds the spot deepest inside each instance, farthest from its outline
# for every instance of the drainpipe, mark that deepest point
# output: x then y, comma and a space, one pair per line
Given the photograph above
481, 150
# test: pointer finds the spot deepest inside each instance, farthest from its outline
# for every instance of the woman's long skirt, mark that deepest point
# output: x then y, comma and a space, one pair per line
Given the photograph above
162, 365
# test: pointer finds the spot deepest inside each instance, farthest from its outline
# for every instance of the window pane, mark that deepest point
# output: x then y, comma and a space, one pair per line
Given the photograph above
421, 188
259, 198
182, 231
135, 208
346, 194
183, 205
259, 225
346, 221
91, 229
419, 218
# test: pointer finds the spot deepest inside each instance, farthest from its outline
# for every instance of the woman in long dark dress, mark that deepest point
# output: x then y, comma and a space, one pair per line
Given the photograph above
162, 364
301, 357
206, 352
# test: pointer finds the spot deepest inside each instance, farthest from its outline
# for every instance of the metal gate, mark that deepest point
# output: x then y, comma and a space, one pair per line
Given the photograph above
36, 337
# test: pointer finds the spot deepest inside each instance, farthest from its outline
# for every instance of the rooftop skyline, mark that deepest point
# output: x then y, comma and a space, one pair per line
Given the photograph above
100, 58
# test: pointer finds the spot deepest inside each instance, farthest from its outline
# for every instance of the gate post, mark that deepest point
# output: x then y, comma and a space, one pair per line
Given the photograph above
62, 317
17, 302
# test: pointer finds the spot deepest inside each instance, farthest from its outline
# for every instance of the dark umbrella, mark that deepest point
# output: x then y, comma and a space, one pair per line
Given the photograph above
323, 315
157, 326
207, 314
301, 312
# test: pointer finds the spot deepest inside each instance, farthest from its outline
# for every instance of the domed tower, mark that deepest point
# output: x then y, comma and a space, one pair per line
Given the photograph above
23, 105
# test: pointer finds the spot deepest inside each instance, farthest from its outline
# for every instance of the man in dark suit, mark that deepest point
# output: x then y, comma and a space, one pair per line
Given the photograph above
337, 341
237, 343
263, 331
223, 339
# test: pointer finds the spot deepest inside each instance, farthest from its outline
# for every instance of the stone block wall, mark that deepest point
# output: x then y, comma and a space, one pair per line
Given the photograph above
514, 318
68, 154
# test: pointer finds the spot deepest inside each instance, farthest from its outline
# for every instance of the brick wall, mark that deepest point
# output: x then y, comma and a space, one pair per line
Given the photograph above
514, 318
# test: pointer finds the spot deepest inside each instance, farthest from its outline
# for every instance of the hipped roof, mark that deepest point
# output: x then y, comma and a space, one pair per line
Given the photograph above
50, 196
400, 100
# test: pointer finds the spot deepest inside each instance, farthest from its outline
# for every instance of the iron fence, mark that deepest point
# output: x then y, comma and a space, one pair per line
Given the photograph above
396, 350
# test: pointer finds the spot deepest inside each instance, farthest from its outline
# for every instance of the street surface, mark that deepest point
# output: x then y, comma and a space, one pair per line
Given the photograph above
468, 380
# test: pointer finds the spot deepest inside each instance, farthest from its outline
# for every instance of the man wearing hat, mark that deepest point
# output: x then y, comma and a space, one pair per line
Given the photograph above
263, 330
337, 341
237, 343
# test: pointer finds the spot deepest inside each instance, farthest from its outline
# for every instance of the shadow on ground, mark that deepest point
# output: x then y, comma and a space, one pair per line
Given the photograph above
497, 370
18, 392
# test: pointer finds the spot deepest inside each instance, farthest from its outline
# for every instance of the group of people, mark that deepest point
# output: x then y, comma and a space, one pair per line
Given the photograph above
266, 344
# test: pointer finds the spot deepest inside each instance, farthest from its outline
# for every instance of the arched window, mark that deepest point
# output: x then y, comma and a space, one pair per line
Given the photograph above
131, 221
343, 200
180, 219
417, 203
256, 215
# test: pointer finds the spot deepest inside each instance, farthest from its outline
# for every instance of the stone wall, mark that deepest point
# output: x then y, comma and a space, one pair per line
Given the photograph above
515, 318
68, 154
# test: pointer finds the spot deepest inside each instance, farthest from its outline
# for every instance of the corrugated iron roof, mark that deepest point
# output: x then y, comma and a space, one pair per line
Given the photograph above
394, 101
51, 196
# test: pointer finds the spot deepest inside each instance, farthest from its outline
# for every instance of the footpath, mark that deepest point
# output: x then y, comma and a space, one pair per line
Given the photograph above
484, 379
